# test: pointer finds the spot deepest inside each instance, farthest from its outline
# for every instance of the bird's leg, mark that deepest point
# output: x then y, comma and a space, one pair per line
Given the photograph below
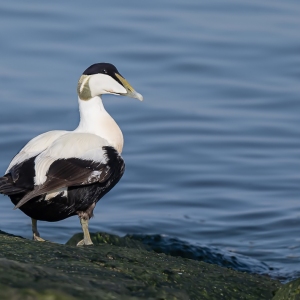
36, 235
86, 235
84, 221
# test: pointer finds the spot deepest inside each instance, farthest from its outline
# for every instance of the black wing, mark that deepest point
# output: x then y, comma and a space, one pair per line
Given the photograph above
75, 172
20, 178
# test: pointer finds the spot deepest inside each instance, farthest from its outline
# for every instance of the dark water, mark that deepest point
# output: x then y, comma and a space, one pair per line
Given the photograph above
212, 154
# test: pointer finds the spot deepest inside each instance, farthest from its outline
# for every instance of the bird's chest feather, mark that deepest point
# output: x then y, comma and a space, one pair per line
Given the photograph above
109, 130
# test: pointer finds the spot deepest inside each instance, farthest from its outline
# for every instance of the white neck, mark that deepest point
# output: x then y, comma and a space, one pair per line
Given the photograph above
96, 120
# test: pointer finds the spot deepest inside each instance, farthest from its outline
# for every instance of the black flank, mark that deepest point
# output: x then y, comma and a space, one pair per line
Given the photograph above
80, 197
20, 178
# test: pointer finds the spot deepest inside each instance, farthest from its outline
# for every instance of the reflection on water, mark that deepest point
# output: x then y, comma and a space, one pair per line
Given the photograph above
212, 154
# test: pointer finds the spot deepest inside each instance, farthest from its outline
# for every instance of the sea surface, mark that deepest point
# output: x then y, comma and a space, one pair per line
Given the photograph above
212, 154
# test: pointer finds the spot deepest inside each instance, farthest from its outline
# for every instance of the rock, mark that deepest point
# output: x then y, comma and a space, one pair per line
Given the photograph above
289, 291
116, 268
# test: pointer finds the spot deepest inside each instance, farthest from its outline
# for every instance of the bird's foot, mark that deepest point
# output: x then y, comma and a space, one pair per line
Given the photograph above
85, 243
38, 238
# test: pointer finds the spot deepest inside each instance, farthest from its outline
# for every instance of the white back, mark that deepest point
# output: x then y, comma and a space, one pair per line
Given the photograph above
36, 146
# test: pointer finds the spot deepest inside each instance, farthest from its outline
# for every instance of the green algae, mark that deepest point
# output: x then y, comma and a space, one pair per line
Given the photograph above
8, 293
117, 268
289, 291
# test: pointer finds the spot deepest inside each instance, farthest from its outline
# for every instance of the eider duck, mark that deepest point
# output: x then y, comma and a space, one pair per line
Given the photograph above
59, 174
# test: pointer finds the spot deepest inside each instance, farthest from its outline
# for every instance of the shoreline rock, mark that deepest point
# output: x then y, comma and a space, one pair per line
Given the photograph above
116, 268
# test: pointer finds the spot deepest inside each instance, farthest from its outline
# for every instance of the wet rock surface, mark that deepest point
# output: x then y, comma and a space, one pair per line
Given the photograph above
289, 291
176, 247
116, 268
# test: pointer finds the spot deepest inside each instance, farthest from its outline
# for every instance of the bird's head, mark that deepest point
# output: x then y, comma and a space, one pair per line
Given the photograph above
104, 78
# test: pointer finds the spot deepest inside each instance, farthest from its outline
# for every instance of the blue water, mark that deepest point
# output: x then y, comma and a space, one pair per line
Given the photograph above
212, 154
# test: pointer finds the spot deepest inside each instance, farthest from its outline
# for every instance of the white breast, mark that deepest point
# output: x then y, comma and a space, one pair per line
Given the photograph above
96, 120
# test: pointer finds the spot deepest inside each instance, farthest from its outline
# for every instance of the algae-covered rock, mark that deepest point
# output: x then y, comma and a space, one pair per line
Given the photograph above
8, 293
111, 239
289, 291
116, 268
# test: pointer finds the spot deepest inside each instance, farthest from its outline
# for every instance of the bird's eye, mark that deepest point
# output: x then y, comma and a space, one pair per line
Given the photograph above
104, 71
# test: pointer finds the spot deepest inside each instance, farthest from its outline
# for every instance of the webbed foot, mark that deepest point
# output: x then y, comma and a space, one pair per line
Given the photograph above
83, 243
38, 238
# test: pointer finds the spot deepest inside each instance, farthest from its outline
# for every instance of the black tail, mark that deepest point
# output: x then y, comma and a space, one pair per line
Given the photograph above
7, 186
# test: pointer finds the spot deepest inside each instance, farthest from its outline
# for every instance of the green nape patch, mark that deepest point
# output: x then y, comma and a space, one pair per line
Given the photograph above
117, 268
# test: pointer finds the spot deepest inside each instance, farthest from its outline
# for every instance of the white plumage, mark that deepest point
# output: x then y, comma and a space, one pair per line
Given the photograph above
36, 146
